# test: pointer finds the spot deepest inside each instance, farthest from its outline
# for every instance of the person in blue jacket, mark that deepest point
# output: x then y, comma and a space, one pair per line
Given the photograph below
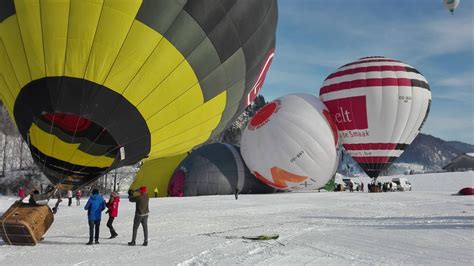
94, 206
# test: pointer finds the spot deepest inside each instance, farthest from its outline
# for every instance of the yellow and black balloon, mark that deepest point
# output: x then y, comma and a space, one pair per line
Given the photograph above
93, 85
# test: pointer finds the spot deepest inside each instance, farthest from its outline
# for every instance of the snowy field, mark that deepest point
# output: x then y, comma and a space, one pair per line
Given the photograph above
426, 226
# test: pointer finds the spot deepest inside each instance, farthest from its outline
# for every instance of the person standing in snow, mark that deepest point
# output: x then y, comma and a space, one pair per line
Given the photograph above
112, 207
94, 206
78, 198
156, 192
21, 193
69, 197
141, 214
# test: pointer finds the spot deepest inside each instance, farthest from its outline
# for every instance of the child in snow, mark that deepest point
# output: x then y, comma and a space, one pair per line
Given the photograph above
112, 207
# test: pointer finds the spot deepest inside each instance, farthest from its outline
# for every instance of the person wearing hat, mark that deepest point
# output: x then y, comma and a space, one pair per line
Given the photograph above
112, 210
94, 206
141, 214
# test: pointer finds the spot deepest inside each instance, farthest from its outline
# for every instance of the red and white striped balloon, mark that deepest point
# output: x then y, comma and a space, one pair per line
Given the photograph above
379, 106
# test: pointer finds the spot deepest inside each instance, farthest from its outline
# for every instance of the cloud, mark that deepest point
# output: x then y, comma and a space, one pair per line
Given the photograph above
342, 35
460, 80
458, 87
447, 127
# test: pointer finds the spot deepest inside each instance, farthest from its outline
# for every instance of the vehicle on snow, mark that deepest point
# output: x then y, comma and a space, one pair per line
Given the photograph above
349, 181
402, 183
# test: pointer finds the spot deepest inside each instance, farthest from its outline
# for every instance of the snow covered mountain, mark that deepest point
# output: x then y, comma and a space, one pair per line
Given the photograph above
432, 152
425, 154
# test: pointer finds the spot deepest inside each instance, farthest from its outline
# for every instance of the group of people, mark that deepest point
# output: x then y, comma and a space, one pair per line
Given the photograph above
22, 195
96, 204
78, 196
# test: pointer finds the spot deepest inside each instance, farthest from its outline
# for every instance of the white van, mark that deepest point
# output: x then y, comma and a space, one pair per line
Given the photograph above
355, 183
402, 183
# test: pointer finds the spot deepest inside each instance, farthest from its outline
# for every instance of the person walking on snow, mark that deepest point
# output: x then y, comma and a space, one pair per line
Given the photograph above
112, 207
94, 206
156, 192
141, 214
69, 197
78, 198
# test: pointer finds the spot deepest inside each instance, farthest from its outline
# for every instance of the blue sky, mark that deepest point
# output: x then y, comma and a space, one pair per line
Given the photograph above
314, 37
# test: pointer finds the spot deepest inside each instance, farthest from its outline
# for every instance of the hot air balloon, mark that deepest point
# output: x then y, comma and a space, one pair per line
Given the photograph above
379, 106
291, 142
215, 169
156, 173
93, 85
451, 5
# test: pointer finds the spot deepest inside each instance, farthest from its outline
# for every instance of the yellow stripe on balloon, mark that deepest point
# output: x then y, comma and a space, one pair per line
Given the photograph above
54, 147
11, 39
83, 19
29, 18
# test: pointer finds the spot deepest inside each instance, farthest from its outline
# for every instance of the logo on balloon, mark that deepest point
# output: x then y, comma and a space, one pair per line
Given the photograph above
263, 115
280, 178
333, 125
261, 77
344, 112
405, 99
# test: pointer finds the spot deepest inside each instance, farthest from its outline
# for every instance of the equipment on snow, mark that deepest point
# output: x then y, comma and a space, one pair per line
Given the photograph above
25, 224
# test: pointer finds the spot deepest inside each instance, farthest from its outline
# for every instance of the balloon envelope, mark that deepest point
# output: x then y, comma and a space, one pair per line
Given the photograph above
216, 169
290, 143
93, 85
379, 105
451, 5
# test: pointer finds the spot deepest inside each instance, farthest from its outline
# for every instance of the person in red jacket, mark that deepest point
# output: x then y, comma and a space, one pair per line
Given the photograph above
112, 207
78, 197
21, 193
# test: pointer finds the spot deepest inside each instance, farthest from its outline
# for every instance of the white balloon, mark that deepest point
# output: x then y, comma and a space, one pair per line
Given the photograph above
291, 142
451, 4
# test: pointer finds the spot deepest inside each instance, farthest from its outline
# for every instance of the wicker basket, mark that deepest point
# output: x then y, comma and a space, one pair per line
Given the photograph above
25, 224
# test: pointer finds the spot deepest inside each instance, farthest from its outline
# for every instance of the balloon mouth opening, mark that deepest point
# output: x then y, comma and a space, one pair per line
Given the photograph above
263, 115
76, 129
71, 148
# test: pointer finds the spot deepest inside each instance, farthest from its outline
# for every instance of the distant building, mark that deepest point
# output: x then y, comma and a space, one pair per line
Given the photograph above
463, 162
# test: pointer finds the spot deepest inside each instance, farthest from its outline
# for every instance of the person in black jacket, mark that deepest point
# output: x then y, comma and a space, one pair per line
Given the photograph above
141, 214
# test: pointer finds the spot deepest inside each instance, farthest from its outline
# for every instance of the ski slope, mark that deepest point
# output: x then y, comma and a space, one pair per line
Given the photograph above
425, 226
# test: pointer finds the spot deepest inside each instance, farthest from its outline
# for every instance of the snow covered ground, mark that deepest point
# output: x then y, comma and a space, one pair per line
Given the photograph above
424, 226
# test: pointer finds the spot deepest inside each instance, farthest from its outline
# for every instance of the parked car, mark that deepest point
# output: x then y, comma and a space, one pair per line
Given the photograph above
402, 183
349, 181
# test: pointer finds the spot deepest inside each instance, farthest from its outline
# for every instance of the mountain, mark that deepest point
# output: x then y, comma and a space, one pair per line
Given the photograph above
432, 152
426, 153
461, 146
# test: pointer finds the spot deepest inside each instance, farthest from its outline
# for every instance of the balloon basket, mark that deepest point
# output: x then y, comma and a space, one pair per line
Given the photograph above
375, 189
25, 224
